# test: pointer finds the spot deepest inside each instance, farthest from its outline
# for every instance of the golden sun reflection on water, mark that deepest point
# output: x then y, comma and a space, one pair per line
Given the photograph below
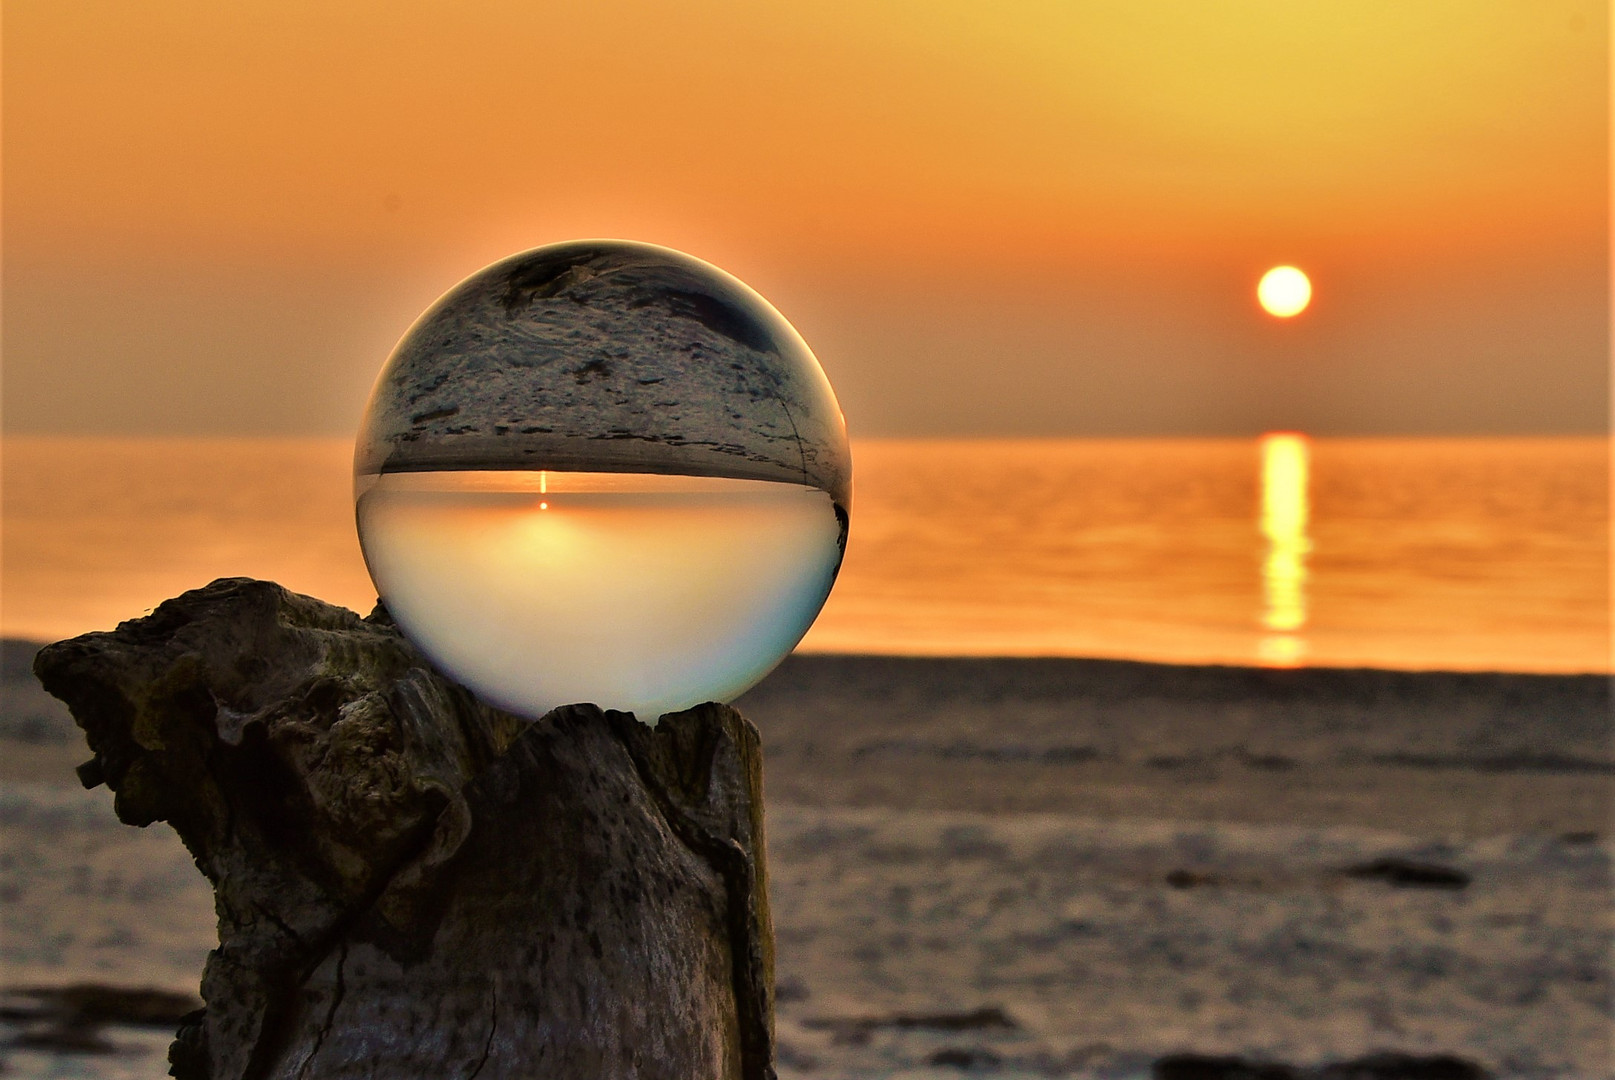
1284, 569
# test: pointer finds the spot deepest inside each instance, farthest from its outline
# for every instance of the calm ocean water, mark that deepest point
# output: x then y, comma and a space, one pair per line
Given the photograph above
1408, 553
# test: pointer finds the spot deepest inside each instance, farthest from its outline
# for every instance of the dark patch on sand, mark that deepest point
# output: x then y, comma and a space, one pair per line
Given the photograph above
1409, 874
856, 1030
972, 1058
435, 414
1379, 1066
70, 1019
1192, 879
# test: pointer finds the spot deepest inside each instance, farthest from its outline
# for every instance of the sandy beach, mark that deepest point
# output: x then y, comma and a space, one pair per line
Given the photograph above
1432, 753
1046, 868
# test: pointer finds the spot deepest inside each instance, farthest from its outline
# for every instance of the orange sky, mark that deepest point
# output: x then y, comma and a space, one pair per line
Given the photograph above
1038, 218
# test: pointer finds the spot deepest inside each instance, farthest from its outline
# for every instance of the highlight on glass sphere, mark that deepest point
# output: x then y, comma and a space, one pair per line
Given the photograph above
606, 472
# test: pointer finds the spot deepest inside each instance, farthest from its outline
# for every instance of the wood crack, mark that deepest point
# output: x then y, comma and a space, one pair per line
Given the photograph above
330, 1013
493, 1029
733, 866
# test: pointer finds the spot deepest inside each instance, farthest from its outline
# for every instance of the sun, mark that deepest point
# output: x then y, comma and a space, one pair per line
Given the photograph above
1284, 291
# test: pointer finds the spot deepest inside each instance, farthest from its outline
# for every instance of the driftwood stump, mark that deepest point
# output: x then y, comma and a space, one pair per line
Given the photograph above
412, 884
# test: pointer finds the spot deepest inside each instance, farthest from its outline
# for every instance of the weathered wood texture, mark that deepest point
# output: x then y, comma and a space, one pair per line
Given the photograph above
412, 884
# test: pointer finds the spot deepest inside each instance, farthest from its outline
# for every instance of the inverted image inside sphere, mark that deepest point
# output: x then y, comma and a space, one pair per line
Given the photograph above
607, 356
646, 593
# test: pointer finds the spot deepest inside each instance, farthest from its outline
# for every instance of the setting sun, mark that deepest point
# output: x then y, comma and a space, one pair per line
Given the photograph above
1284, 291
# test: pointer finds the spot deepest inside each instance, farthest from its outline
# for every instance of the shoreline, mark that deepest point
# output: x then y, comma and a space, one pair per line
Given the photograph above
1464, 754
31, 644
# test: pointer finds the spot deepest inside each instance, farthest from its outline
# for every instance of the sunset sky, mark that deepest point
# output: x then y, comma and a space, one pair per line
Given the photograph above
1019, 218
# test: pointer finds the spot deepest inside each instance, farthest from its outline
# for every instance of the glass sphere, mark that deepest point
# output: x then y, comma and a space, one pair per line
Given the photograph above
603, 472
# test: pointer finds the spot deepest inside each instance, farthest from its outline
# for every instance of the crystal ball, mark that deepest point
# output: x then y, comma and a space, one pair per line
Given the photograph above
603, 472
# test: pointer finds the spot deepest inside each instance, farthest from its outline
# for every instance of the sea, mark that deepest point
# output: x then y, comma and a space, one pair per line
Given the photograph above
1286, 550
